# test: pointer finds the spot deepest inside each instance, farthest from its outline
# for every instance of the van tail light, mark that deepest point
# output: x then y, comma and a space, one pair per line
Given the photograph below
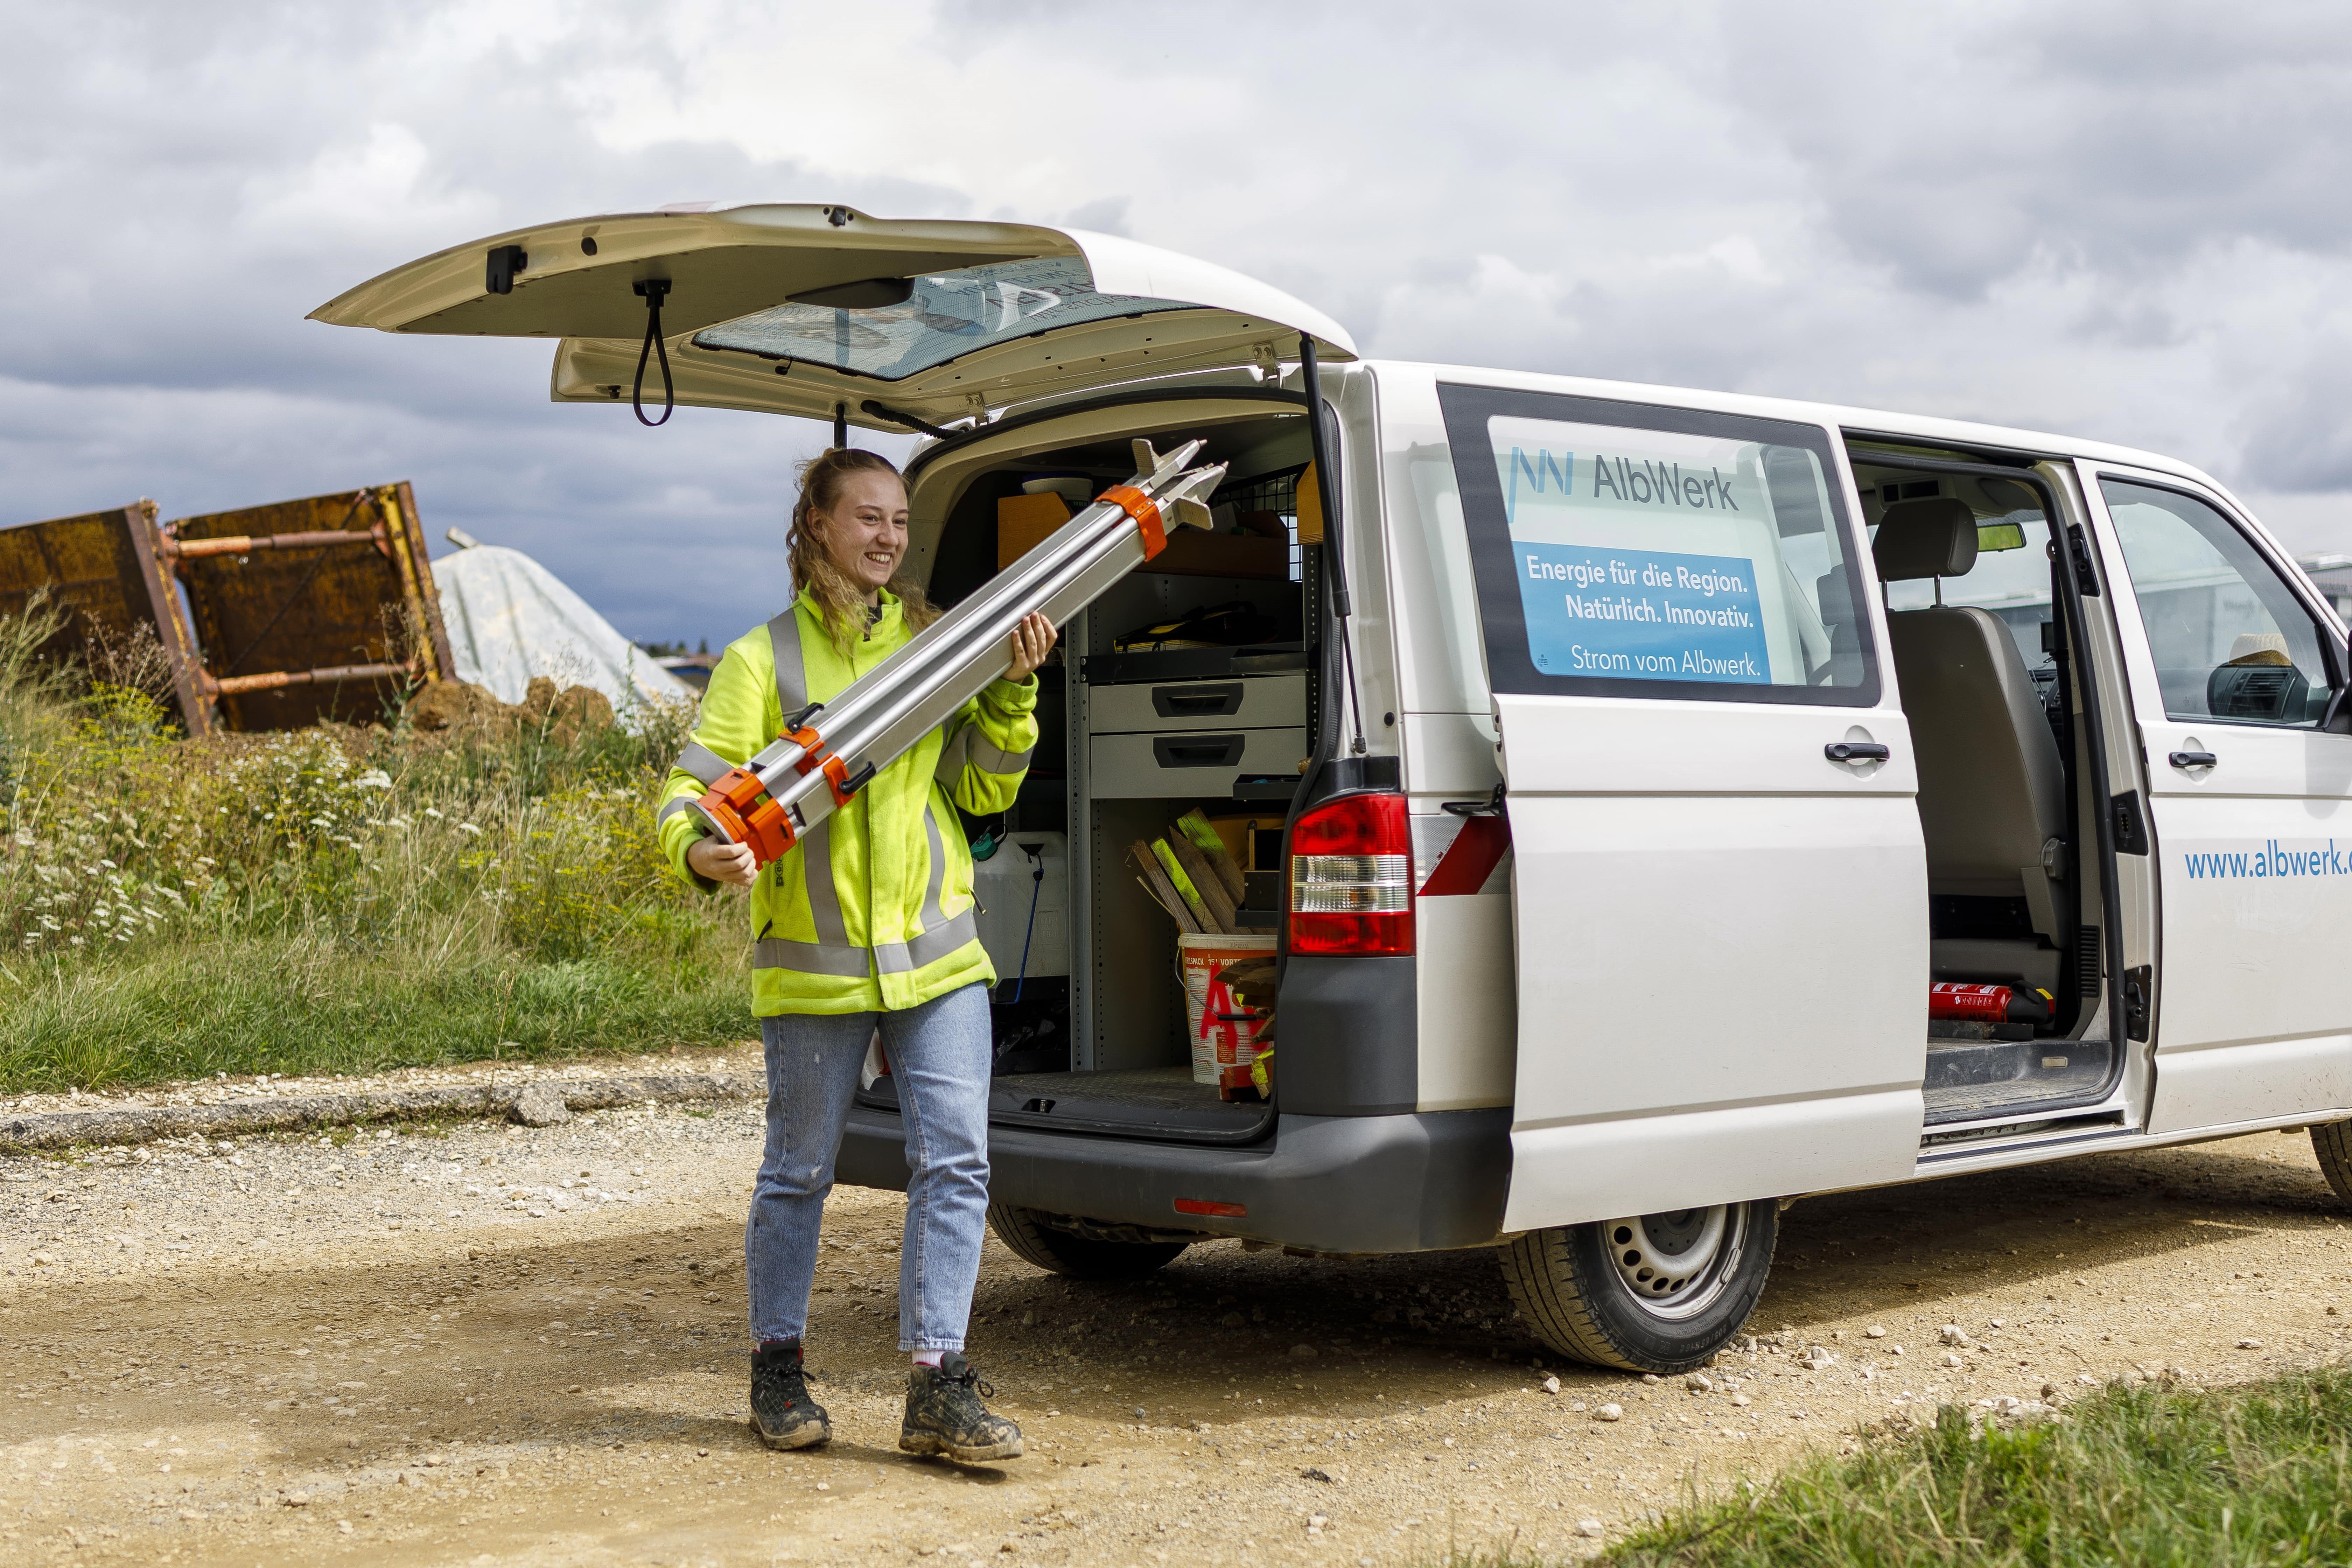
1351, 877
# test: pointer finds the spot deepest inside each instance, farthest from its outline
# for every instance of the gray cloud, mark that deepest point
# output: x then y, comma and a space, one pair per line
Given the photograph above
2117, 219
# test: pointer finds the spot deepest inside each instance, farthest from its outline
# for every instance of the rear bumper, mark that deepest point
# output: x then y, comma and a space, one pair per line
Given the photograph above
1414, 1181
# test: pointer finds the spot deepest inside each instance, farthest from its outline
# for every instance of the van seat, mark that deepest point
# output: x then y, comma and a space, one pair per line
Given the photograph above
1992, 786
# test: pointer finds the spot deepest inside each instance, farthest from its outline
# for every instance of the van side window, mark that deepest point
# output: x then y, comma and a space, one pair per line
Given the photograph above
1626, 550
2232, 641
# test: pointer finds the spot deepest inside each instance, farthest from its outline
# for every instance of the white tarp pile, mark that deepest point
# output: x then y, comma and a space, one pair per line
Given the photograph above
509, 618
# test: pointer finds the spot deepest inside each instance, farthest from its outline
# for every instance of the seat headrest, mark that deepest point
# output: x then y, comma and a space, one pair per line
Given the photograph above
1932, 537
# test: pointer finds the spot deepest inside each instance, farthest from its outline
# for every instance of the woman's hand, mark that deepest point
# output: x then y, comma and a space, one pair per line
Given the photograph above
1033, 640
722, 862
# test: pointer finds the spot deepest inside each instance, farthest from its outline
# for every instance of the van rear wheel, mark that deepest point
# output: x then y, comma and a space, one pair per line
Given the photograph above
1035, 1239
1662, 1292
2332, 1141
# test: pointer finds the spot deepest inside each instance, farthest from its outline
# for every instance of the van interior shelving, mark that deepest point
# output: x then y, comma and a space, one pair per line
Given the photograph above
1120, 756
1988, 689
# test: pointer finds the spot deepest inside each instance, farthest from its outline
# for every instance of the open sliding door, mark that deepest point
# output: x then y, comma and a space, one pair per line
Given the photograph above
1721, 892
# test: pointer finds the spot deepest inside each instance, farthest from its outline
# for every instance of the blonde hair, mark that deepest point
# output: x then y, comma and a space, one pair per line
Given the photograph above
840, 603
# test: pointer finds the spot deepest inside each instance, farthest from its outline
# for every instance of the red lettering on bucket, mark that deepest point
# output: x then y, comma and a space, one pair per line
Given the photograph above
1215, 1012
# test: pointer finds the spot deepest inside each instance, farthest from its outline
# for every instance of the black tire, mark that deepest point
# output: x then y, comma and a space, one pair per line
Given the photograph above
1076, 1256
2332, 1141
1597, 1292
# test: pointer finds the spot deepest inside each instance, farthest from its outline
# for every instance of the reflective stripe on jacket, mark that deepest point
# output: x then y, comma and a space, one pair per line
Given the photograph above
874, 908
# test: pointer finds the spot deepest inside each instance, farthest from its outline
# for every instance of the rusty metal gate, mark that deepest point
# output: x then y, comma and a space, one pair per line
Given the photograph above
270, 617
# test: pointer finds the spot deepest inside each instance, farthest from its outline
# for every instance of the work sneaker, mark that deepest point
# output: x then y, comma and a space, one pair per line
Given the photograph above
782, 1413
944, 1415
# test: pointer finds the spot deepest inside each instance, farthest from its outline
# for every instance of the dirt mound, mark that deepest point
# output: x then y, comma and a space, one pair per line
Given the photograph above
457, 709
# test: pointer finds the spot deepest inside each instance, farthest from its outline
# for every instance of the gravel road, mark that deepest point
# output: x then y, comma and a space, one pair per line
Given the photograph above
486, 1345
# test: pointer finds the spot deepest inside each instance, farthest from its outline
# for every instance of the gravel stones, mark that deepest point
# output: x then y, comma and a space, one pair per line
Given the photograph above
1609, 1413
541, 1105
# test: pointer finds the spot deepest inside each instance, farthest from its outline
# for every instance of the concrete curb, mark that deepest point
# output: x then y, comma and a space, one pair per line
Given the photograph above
147, 1124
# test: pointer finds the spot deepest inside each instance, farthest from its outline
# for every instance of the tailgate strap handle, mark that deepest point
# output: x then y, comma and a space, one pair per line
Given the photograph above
653, 291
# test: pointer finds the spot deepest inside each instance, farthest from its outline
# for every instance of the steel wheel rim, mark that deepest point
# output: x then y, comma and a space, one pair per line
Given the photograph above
1674, 1264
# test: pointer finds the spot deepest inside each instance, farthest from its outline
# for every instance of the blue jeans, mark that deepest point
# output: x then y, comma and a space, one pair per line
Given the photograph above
939, 1056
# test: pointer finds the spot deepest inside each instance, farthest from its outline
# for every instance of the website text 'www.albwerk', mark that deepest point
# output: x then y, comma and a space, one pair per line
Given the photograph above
2270, 860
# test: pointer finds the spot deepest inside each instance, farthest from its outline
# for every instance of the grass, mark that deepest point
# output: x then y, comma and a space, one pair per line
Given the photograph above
336, 899
2148, 1476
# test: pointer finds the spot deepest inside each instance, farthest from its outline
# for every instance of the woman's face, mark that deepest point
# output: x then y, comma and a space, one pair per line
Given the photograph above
866, 533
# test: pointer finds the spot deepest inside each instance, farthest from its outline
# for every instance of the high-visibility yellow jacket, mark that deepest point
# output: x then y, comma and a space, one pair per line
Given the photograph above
872, 910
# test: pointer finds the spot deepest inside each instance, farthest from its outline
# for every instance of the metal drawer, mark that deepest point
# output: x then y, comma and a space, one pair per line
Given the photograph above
1189, 761
1246, 702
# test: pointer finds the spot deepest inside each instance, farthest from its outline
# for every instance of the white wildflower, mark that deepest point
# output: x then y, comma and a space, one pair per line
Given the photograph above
469, 827
374, 778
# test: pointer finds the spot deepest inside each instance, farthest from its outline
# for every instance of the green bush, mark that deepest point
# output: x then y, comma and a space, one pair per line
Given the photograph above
333, 898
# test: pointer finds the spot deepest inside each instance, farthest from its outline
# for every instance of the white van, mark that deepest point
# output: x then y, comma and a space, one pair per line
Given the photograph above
1674, 745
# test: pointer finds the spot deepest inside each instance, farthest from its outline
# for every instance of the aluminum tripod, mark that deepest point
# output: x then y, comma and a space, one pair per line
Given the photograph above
829, 751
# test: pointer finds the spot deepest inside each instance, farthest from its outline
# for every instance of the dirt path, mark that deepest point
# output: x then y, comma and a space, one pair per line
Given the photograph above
426, 1348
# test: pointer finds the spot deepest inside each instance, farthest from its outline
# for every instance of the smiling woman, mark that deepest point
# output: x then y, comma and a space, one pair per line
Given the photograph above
865, 938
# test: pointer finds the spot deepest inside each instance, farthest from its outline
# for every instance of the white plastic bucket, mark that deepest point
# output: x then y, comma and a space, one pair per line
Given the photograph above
1223, 1044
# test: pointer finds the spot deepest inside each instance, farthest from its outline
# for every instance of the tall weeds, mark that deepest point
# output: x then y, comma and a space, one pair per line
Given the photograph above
337, 899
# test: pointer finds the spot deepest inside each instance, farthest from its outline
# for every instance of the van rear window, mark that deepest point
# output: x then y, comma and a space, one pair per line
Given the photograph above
1623, 549
943, 317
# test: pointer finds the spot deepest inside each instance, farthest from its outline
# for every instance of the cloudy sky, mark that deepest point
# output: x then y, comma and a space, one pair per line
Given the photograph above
2127, 220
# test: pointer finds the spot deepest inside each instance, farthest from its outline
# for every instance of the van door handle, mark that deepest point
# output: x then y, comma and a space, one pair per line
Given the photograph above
2193, 759
1198, 751
1855, 751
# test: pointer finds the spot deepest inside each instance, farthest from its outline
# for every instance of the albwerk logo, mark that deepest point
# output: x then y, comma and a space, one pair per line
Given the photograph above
2270, 860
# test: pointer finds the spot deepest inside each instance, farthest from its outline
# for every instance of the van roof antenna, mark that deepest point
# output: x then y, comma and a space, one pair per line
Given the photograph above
1327, 491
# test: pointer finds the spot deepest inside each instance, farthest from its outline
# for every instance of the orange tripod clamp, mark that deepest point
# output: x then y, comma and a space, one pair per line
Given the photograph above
739, 807
837, 772
1146, 513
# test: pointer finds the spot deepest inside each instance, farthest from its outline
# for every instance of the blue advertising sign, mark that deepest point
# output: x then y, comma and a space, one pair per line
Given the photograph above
1642, 614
